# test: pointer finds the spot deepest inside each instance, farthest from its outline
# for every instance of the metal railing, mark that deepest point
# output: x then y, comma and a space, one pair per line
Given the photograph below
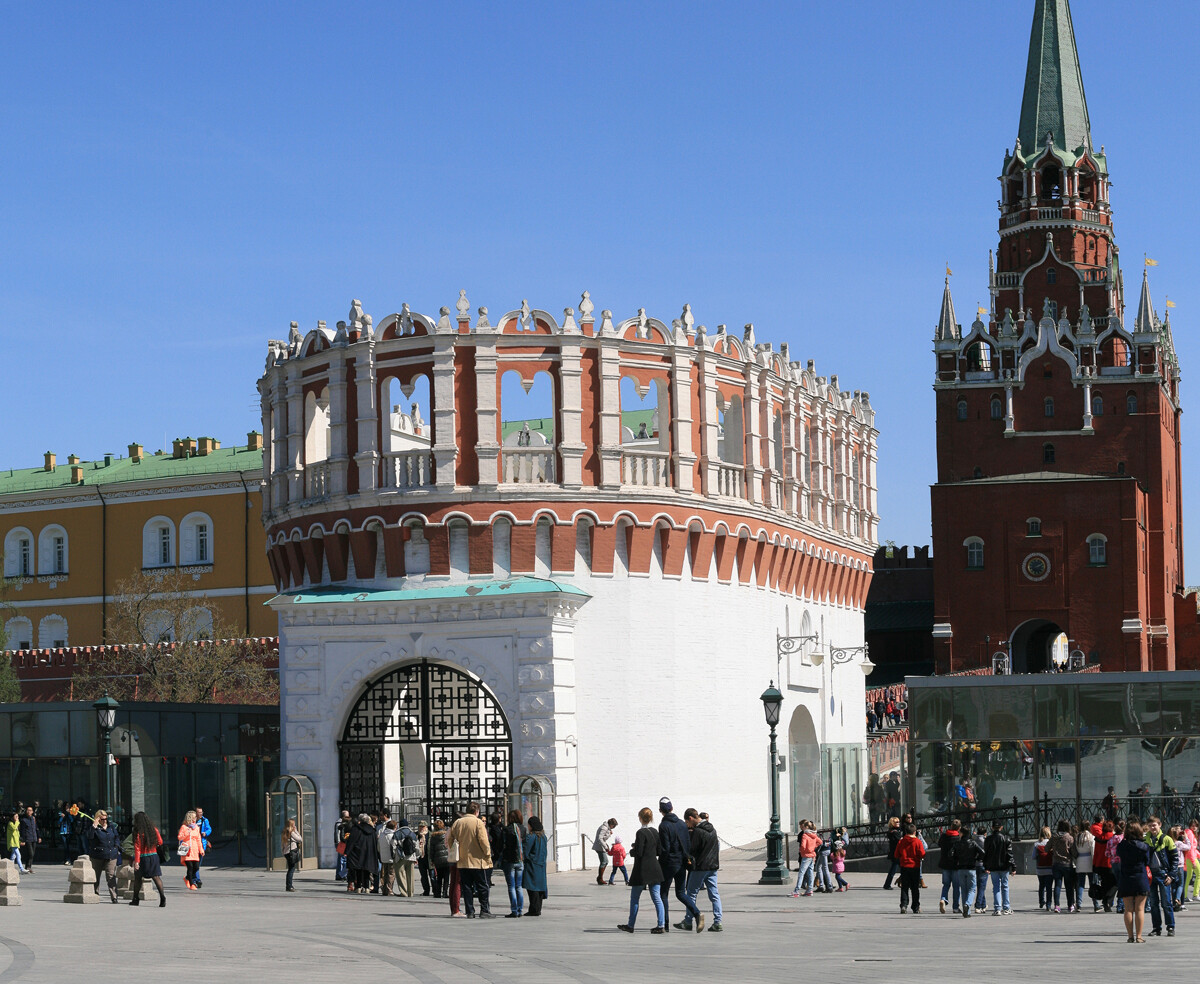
404, 470
528, 466
651, 469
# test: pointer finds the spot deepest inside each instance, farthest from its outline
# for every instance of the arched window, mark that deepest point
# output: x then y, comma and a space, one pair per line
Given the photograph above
974, 547
1048, 406
196, 624
52, 632
1097, 550
196, 539
157, 626
19, 633
997, 408
1097, 406
1033, 526
18, 553
977, 473
1051, 276
1047, 454
158, 543
961, 410
1131, 403
52, 550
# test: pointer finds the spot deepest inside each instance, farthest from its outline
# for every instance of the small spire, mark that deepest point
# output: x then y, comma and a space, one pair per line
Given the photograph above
1147, 320
947, 327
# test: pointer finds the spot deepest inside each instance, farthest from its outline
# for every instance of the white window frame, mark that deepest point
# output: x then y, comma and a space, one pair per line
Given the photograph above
190, 537
15, 540
48, 550
1097, 550
18, 633
974, 547
158, 532
52, 630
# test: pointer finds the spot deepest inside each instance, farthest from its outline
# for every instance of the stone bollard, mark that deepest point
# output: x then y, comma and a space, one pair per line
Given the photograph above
125, 882
10, 878
81, 881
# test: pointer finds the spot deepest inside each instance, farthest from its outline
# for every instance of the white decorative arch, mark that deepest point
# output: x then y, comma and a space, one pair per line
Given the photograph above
52, 633
1097, 544
19, 557
158, 542
18, 633
52, 550
196, 623
196, 539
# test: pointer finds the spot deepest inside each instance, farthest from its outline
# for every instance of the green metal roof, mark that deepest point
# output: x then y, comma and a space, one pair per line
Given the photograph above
151, 467
438, 592
1054, 101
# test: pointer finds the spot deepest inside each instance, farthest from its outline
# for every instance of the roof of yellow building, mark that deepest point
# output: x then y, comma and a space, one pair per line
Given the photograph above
150, 467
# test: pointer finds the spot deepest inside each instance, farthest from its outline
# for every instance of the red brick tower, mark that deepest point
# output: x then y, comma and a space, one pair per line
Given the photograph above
1057, 506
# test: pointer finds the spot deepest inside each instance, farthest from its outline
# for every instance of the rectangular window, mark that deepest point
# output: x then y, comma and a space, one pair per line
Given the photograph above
202, 543
164, 546
60, 555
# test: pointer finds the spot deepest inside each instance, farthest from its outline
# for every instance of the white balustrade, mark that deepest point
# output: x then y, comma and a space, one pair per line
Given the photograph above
528, 466
403, 470
316, 480
1050, 213
730, 480
777, 493
650, 469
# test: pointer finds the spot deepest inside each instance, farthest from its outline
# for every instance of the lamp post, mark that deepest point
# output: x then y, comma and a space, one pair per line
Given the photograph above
846, 654
106, 717
774, 873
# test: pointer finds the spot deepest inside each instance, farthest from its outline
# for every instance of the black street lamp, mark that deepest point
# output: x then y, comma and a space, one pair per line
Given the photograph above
106, 717
774, 873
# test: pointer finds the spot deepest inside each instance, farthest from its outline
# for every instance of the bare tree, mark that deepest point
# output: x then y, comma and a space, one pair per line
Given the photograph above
10, 685
169, 645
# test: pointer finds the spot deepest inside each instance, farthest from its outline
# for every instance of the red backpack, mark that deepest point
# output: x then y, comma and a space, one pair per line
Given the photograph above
1045, 858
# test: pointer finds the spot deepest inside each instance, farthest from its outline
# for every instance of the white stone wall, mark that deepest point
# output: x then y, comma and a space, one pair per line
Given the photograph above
651, 688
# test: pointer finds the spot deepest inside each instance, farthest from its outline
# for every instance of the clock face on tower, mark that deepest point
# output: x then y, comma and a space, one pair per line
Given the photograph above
1036, 566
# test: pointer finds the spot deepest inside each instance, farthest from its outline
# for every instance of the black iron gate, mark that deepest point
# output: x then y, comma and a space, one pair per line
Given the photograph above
467, 743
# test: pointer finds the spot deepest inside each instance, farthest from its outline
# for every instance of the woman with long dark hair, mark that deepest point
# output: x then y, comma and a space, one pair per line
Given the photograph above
146, 842
512, 862
534, 878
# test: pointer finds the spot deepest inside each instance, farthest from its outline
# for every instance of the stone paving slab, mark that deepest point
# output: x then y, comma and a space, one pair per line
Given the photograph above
242, 926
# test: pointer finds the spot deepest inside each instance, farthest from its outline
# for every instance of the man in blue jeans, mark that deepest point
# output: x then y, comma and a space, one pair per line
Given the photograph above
706, 860
998, 860
967, 853
205, 833
946, 850
674, 843
1161, 848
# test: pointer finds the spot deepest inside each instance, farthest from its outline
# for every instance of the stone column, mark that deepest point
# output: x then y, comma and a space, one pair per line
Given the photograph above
264, 390
1008, 407
445, 413
295, 433
752, 424
279, 441
1087, 404
791, 462
339, 456
610, 412
487, 446
570, 443
367, 457
681, 409
706, 400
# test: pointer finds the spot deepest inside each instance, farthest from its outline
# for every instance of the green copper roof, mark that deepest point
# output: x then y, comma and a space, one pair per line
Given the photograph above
440, 591
151, 467
1054, 100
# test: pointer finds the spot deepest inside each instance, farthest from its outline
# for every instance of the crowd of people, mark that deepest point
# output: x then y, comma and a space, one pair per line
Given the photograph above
886, 708
378, 854
683, 855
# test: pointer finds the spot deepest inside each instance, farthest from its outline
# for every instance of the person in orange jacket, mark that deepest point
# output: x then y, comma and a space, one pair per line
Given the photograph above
191, 849
809, 843
909, 854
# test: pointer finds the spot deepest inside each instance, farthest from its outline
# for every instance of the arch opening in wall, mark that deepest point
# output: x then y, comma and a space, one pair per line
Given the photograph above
18, 553
501, 547
408, 441
156, 626
52, 550
458, 533
428, 737
645, 432
195, 625
1114, 353
583, 545
528, 410
731, 433
316, 437
158, 542
416, 550
804, 761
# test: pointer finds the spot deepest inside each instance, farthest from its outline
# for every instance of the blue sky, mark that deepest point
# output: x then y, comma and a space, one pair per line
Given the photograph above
181, 181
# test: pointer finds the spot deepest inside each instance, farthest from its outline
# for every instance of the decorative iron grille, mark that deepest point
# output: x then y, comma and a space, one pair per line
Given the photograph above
468, 746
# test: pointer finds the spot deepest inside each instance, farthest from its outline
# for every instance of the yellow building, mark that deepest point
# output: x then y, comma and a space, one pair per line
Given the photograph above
73, 531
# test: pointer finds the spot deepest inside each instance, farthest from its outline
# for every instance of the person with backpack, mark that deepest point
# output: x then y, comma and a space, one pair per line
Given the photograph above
387, 855
998, 860
1063, 853
824, 852
909, 853
1162, 849
967, 854
1102, 866
1085, 849
1043, 861
947, 863
981, 877
405, 852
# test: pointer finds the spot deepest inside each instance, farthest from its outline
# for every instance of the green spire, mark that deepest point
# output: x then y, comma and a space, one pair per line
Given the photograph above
1054, 101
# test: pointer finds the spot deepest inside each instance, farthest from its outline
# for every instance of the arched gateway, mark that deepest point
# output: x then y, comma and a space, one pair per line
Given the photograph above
425, 734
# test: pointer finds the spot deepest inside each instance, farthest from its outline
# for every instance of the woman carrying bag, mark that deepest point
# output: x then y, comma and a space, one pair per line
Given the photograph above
191, 849
291, 842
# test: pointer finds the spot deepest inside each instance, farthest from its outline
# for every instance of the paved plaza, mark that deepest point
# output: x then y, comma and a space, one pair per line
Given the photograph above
243, 927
